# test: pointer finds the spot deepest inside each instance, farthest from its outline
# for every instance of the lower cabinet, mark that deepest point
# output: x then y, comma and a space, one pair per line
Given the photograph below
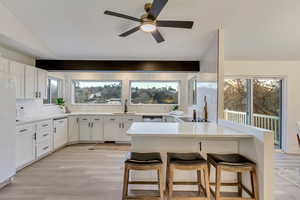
60, 133
73, 129
115, 127
91, 128
25, 145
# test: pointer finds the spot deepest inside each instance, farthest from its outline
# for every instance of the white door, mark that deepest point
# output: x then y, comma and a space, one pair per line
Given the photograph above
97, 128
73, 122
4, 65
84, 128
112, 128
18, 70
30, 83
60, 133
25, 147
42, 82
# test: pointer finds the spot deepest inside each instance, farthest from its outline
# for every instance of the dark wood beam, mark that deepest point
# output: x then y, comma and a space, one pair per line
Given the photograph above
108, 65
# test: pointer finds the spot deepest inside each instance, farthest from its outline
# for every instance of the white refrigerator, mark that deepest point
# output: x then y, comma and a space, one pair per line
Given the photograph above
7, 128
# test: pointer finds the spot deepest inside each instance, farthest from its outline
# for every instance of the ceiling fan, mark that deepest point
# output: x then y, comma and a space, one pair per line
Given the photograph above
149, 22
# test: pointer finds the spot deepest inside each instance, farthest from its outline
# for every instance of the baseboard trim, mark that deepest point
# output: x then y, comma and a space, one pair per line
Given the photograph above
6, 182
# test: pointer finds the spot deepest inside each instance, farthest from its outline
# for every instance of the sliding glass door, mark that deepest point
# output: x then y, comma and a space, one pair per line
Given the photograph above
257, 102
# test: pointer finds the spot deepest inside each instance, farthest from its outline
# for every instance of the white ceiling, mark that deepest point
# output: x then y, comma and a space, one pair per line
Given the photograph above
78, 29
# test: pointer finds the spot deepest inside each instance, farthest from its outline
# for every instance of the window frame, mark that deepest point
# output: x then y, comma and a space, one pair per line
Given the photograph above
94, 104
174, 81
60, 88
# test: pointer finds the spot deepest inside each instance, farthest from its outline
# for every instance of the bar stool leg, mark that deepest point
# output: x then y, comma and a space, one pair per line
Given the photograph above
239, 178
199, 181
170, 182
218, 183
125, 182
207, 184
254, 184
160, 183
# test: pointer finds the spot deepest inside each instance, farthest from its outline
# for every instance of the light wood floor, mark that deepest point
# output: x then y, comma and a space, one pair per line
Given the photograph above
80, 172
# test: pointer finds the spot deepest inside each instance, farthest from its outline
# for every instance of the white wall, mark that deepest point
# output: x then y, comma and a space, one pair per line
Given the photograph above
125, 77
290, 70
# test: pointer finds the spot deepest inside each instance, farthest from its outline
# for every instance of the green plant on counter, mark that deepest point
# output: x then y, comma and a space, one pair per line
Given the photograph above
60, 102
175, 107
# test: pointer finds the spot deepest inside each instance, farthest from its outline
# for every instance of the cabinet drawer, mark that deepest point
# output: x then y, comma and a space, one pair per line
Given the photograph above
43, 148
25, 129
43, 135
44, 126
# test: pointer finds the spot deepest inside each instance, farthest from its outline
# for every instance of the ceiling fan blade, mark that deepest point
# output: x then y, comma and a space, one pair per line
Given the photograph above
175, 24
156, 8
133, 30
107, 12
157, 36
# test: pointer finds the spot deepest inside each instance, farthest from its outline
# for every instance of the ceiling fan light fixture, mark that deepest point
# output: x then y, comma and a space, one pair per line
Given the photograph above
148, 27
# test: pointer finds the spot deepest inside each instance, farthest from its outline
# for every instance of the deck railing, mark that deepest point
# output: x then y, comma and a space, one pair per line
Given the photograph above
261, 121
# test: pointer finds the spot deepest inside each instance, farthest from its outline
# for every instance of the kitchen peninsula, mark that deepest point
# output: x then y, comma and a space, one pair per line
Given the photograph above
224, 137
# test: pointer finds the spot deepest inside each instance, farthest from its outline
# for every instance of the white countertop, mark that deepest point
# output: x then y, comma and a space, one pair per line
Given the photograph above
184, 129
37, 118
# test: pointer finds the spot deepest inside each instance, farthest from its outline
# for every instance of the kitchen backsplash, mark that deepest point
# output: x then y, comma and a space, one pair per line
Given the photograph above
28, 108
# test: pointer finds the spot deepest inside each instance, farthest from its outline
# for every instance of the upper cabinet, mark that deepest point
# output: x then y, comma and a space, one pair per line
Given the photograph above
35, 83
18, 70
4, 65
30, 82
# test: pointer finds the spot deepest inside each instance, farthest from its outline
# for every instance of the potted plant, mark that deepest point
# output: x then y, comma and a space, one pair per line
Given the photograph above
61, 103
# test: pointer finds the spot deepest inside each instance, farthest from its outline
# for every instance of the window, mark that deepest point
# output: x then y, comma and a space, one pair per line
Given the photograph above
53, 91
97, 92
257, 102
154, 92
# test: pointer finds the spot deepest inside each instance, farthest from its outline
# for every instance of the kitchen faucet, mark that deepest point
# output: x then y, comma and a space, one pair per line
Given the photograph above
125, 106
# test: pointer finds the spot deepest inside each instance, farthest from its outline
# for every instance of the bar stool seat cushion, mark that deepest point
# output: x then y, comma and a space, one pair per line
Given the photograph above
185, 158
230, 159
143, 158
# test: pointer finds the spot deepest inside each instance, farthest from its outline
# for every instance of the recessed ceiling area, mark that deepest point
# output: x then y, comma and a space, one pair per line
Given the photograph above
76, 29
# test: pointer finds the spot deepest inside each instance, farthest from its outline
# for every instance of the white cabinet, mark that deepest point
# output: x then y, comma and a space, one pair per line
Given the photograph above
30, 82
97, 128
42, 83
18, 70
60, 133
112, 128
91, 128
36, 81
84, 128
73, 129
115, 127
4, 65
44, 138
25, 145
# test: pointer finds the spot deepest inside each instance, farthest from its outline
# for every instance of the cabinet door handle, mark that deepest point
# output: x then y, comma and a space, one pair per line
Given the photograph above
112, 119
45, 148
77, 120
23, 130
45, 125
92, 124
123, 125
200, 146
54, 130
36, 95
45, 135
119, 125
40, 95
89, 124
96, 119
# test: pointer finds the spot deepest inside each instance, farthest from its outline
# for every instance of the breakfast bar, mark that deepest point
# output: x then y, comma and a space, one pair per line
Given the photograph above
222, 137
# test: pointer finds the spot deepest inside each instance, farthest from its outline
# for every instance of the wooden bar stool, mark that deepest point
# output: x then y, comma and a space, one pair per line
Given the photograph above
188, 161
143, 161
233, 163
